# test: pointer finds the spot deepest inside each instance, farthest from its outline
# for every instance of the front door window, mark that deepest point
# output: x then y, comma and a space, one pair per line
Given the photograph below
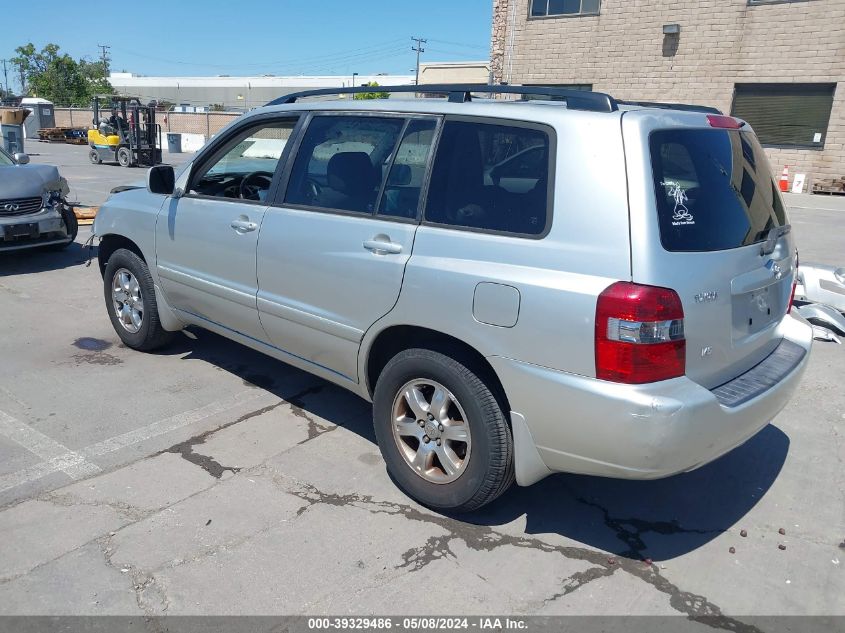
243, 168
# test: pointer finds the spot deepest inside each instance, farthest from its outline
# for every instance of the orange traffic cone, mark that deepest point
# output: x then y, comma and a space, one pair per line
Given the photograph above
784, 179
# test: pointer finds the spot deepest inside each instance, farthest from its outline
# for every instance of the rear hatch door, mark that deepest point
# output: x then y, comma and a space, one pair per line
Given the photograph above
708, 221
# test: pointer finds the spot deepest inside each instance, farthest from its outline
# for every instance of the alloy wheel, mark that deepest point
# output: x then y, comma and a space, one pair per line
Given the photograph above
127, 300
431, 431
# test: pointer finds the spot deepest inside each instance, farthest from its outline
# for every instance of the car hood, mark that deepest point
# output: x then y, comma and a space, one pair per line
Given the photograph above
27, 181
138, 184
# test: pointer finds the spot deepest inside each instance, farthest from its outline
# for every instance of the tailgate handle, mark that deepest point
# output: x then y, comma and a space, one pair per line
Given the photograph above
772, 239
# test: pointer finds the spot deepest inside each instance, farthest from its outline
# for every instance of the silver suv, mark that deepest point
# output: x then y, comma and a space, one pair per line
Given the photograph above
519, 286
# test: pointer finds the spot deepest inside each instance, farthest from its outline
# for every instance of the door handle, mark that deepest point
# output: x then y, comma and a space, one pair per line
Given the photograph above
380, 247
243, 226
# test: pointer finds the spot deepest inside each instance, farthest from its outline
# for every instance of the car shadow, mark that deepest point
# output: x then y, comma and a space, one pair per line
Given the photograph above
660, 519
36, 260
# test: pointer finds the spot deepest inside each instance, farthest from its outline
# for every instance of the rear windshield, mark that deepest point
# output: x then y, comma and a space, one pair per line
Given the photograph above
714, 189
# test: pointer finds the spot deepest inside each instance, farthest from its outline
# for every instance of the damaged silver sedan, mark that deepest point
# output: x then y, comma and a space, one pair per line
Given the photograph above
33, 207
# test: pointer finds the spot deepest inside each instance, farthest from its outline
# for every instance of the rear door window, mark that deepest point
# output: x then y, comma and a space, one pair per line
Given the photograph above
491, 177
714, 190
342, 161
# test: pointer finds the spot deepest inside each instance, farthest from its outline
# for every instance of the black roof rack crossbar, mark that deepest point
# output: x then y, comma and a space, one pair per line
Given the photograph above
461, 93
687, 107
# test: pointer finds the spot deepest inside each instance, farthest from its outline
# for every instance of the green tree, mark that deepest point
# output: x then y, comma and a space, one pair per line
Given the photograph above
372, 95
58, 77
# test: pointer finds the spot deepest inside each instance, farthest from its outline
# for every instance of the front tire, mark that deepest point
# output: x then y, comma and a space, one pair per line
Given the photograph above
124, 157
442, 432
131, 302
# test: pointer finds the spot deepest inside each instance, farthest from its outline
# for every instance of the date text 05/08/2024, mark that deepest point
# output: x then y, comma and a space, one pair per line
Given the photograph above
417, 623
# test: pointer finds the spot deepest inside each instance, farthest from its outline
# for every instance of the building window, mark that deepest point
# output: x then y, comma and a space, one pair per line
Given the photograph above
550, 8
753, 2
786, 115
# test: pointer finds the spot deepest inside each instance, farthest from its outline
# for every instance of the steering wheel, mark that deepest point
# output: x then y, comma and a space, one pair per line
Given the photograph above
251, 187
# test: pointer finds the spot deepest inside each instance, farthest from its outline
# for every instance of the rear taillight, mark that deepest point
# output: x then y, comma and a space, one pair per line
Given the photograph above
724, 122
639, 334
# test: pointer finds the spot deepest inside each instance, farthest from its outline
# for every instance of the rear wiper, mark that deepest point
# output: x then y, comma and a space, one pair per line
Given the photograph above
775, 234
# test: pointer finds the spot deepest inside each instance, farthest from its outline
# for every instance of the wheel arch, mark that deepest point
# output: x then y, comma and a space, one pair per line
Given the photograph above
396, 338
110, 243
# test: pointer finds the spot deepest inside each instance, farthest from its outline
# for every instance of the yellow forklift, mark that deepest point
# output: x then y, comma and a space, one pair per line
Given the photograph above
128, 135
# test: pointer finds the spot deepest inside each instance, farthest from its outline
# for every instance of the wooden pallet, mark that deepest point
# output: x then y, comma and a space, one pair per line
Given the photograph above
830, 186
84, 213
73, 135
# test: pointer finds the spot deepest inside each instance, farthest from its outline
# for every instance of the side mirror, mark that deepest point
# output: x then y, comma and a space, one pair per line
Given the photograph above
21, 158
161, 179
496, 175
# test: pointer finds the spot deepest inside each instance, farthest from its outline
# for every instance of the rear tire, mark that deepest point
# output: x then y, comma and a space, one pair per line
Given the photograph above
131, 302
94, 157
478, 469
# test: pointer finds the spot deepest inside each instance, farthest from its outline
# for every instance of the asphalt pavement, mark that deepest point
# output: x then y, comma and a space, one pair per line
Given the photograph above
209, 479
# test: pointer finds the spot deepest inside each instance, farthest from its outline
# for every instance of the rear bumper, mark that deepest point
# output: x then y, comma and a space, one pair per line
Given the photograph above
584, 425
51, 230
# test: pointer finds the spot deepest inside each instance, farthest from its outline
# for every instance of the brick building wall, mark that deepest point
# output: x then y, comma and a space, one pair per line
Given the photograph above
623, 51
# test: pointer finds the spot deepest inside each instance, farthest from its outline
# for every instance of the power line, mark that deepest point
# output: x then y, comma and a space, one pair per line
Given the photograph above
418, 49
369, 58
321, 59
460, 44
463, 54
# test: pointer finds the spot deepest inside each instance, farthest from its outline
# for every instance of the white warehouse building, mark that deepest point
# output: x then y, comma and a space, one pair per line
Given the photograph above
235, 93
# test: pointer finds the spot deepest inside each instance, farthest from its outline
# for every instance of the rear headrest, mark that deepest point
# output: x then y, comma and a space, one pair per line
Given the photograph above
351, 173
467, 162
400, 175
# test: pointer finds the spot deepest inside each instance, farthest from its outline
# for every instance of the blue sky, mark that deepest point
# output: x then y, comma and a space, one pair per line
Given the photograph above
239, 37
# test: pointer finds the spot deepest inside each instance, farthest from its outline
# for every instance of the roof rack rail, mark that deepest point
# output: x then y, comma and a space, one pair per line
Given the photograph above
461, 93
688, 107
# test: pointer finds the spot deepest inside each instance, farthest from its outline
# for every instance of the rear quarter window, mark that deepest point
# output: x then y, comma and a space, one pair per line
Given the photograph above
491, 177
713, 189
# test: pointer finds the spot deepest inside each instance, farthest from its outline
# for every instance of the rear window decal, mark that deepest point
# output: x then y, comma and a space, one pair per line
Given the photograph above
681, 215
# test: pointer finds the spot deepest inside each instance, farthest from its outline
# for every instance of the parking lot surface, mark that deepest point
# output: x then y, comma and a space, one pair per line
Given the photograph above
209, 479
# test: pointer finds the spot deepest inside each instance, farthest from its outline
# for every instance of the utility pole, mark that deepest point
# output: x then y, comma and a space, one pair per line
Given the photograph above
22, 76
5, 79
418, 49
105, 58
